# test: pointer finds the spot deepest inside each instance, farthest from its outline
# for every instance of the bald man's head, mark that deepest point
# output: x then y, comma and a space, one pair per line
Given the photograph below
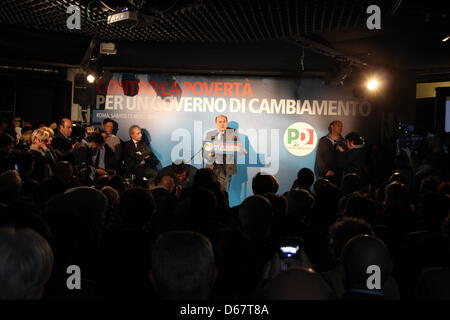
358, 254
298, 284
65, 127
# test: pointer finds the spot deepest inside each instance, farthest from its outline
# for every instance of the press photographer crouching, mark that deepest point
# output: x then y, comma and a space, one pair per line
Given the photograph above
94, 158
355, 159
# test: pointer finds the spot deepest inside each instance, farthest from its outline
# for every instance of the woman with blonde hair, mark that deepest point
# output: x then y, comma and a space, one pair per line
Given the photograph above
44, 159
48, 144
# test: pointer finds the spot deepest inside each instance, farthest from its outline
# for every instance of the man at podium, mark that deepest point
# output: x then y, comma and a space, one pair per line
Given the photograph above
220, 151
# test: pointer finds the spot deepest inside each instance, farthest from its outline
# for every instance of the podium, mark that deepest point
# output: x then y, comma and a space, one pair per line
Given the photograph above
220, 147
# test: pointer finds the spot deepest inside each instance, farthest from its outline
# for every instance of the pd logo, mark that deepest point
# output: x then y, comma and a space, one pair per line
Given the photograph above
300, 139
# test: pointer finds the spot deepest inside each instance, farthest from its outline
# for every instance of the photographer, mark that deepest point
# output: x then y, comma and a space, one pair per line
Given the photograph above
356, 159
112, 140
94, 153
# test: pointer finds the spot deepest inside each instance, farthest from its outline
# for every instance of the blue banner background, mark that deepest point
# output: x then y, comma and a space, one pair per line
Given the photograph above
179, 134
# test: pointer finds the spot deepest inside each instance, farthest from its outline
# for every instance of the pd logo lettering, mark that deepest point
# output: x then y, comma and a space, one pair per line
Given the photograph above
300, 139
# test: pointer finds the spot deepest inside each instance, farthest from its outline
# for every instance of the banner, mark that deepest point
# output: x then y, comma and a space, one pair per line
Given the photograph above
279, 120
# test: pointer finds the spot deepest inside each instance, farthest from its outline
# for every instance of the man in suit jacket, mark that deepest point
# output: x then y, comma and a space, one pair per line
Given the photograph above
223, 164
138, 158
62, 142
328, 153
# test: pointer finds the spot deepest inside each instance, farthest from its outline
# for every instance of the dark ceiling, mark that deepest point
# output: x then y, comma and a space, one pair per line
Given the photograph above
233, 36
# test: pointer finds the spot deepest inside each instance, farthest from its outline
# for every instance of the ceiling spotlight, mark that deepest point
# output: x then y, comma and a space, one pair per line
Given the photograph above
93, 71
372, 84
446, 38
90, 78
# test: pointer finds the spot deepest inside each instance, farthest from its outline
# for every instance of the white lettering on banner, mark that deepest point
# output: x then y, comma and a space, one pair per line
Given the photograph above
306, 107
235, 105
182, 149
99, 101
271, 150
252, 101
332, 108
367, 107
188, 104
343, 108
290, 106
109, 103
118, 101
320, 109
221, 108
198, 143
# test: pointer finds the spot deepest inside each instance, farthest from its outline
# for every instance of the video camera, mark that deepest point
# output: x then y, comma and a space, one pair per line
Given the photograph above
79, 130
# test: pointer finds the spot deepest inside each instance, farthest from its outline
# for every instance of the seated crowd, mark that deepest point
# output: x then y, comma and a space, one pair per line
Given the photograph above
139, 231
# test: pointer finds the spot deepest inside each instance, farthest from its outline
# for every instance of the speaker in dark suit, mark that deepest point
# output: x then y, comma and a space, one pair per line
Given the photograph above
223, 164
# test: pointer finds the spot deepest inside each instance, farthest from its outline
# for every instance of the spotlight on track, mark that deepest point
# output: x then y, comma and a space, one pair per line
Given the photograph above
90, 78
373, 84
94, 71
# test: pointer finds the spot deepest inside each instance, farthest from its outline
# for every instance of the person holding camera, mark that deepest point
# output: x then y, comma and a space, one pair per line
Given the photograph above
111, 139
95, 153
356, 158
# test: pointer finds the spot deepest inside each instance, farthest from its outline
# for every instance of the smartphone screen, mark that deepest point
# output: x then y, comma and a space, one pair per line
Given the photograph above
289, 251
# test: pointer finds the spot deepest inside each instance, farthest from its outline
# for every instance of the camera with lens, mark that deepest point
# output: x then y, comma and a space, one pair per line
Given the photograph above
82, 170
79, 130
84, 173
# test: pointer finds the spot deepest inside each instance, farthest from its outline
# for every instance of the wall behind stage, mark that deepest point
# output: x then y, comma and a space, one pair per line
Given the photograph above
279, 119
